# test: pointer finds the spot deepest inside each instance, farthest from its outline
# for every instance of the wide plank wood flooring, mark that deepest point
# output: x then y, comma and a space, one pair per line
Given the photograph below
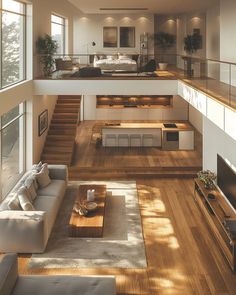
87, 155
182, 255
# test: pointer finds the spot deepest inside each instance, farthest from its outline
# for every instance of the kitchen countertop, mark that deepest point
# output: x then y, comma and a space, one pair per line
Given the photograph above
180, 126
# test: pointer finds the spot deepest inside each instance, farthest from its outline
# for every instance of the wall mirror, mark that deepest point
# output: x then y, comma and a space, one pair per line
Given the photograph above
127, 37
109, 37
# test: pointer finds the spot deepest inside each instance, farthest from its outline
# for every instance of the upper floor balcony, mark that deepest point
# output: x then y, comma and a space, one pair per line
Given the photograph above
214, 78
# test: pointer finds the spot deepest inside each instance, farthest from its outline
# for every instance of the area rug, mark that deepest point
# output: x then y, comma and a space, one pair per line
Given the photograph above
122, 244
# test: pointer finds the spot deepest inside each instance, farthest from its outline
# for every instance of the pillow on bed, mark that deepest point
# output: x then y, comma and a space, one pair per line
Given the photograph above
110, 57
123, 57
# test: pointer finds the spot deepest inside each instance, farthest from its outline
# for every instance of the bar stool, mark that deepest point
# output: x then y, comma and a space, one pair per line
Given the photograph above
110, 140
123, 140
148, 140
135, 140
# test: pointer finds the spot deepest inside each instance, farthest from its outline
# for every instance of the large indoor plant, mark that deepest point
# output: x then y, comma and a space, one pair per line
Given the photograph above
192, 43
164, 41
46, 48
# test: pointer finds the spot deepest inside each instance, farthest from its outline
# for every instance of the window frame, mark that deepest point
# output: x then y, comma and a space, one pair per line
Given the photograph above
22, 114
63, 25
24, 15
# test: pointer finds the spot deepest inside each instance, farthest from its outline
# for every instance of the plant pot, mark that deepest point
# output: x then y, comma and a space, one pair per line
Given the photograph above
162, 66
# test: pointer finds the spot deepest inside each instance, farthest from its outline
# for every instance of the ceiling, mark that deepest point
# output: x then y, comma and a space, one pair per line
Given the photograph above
153, 6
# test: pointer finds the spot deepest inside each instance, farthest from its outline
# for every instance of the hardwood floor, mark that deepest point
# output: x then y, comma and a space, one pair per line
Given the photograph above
181, 253
125, 162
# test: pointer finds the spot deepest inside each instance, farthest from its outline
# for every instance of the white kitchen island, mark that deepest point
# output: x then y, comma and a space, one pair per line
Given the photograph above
149, 135
132, 134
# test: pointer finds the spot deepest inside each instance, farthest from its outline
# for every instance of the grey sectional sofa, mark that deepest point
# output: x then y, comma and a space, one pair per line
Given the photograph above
13, 284
28, 231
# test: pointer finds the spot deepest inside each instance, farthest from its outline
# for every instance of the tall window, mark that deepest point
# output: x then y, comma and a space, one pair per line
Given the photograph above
12, 137
58, 32
13, 16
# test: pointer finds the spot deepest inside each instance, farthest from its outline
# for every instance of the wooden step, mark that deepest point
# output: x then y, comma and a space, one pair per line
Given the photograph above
61, 132
66, 126
65, 156
68, 105
58, 143
63, 110
57, 149
64, 121
74, 101
60, 137
131, 172
65, 115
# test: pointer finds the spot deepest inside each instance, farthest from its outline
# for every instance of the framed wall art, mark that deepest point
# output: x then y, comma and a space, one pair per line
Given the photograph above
42, 122
110, 37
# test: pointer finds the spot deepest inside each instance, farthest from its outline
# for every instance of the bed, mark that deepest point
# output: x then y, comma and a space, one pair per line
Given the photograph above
110, 63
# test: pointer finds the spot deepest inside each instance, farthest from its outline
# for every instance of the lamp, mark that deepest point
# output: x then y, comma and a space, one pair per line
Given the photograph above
93, 44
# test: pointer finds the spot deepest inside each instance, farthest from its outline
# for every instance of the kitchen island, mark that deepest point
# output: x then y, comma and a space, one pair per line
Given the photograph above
169, 136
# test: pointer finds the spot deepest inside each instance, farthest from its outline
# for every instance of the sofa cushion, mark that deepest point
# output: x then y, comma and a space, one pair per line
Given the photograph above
25, 203
30, 184
55, 188
42, 177
50, 205
37, 167
14, 203
69, 285
8, 273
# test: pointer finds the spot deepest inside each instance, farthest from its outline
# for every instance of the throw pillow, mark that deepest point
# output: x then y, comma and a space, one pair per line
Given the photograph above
30, 185
42, 177
14, 203
37, 167
25, 203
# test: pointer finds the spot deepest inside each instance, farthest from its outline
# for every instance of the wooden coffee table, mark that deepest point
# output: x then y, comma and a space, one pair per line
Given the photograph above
92, 224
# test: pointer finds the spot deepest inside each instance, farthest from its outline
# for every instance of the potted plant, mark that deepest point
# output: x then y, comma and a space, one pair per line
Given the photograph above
192, 43
46, 47
164, 41
207, 177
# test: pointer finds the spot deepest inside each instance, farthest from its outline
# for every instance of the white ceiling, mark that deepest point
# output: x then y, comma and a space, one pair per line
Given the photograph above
154, 6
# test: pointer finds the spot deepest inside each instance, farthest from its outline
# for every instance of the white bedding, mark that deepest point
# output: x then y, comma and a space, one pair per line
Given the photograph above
124, 64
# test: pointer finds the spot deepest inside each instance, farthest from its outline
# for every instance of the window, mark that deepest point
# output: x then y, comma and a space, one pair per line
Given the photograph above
58, 32
13, 26
12, 137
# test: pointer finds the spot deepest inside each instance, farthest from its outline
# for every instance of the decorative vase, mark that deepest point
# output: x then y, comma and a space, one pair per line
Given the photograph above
162, 66
90, 195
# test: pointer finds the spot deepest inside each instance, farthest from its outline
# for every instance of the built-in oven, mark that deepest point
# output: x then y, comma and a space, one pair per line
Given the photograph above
170, 140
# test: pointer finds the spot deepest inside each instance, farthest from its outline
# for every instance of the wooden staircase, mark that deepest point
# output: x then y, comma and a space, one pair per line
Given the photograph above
89, 173
59, 144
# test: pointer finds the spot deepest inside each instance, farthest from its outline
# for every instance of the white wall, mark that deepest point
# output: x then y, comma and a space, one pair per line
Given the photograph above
213, 41
40, 104
89, 28
213, 33
195, 118
179, 111
227, 39
216, 141
185, 25
42, 10
227, 30
167, 24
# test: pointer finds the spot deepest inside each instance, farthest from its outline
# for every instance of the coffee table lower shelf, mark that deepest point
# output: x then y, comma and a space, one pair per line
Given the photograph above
90, 226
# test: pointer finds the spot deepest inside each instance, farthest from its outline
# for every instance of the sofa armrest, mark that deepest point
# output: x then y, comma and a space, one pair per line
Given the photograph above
58, 172
8, 273
23, 231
